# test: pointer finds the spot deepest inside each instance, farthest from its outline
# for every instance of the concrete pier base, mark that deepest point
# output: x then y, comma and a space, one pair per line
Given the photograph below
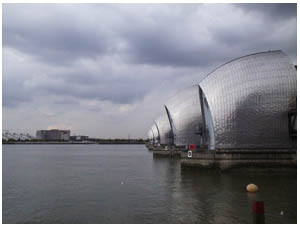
226, 159
231, 158
149, 147
166, 153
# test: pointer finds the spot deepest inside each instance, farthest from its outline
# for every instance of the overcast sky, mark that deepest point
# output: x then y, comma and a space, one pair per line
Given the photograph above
105, 70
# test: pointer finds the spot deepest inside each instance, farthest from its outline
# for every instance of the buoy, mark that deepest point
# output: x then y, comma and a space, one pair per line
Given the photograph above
252, 188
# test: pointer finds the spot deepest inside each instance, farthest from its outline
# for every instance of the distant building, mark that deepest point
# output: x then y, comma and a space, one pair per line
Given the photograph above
53, 135
79, 138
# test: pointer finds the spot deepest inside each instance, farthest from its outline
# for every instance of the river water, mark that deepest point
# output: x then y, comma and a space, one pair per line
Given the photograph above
125, 184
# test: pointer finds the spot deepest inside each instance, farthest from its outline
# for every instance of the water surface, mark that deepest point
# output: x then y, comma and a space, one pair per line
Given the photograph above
125, 184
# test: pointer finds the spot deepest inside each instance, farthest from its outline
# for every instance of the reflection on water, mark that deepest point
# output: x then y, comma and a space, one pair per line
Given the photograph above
222, 195
125, 184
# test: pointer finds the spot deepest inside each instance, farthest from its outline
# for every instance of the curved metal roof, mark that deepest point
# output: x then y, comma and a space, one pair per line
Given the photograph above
185, 112
164, 129
155, 133
249, 99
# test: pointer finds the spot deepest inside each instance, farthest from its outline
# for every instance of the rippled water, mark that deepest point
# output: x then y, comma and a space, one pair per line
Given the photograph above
125, 184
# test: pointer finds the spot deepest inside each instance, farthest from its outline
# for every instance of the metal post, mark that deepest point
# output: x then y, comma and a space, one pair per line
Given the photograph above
258, 212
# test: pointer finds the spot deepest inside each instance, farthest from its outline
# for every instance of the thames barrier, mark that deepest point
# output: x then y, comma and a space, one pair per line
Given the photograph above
243, 113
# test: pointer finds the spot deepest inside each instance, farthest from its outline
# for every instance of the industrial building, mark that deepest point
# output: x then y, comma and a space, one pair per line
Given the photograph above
53, 135
79, 138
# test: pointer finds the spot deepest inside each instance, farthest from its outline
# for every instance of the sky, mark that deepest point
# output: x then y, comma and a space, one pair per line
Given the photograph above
106, 70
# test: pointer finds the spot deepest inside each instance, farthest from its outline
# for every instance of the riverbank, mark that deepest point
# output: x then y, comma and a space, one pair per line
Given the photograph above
75, 142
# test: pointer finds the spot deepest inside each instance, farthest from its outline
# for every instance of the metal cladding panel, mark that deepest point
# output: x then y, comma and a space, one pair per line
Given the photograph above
185, 112
164, 128
249, 99
155, 134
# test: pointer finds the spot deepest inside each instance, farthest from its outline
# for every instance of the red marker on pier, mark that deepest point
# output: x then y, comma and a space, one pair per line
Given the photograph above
192, 147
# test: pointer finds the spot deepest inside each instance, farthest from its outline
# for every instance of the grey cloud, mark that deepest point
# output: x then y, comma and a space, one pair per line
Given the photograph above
274, 11
159, 49
80, 77
13, 101
252, 40
79, 84
178, 43
120, 92
66, 101
163, 36
55, 38
59, 45
14, 93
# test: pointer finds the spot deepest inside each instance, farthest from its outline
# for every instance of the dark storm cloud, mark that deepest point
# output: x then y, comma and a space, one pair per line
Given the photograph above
56, 45
59, 38
12, 101
51, 35
165, 35
201, 41
159, 48
170, 37
274, 11
14, 93
119, 92
65, 54
66, 101
64, 86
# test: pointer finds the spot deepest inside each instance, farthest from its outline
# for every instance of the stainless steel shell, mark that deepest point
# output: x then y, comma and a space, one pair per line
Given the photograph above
164, 129
249, 99
155, 134
186, 118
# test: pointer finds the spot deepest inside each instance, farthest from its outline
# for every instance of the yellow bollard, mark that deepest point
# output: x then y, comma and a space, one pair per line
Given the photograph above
252, 188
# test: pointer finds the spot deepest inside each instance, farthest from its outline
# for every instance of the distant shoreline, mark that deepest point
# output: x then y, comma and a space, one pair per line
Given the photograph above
81, 143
